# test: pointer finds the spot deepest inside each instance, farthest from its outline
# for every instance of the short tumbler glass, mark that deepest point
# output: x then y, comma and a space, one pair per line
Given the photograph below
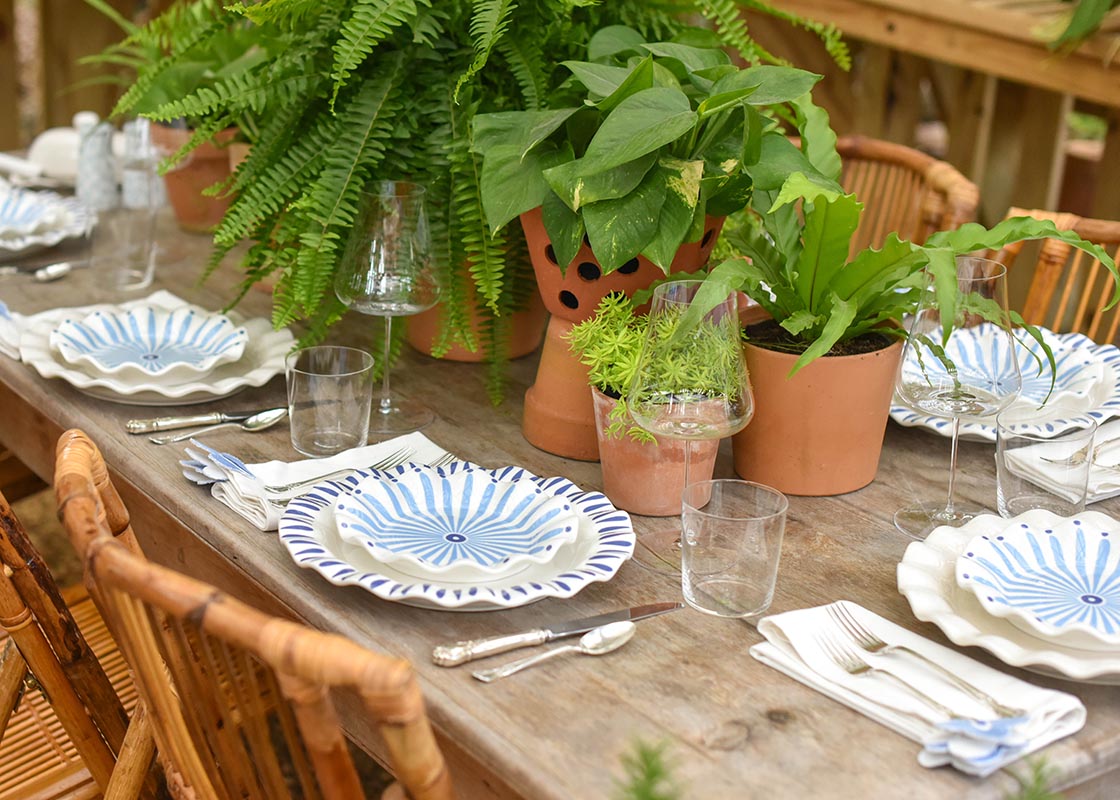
330, 389
731, 541
1036, 468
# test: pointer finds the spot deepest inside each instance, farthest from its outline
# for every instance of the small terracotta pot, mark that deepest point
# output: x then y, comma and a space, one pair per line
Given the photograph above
238, 152
821, 432
203, 167
525, 331
646, 478
571, 298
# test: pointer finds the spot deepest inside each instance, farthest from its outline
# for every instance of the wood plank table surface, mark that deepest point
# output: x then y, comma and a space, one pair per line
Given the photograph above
733, 727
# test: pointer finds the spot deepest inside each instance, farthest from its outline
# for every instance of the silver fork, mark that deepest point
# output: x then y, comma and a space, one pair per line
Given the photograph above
866, 640
388, 462
1078, 457
851, 663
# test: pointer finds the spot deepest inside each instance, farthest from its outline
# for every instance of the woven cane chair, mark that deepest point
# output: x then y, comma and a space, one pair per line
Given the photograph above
1069, 288
56, 644
239, 700
903, 191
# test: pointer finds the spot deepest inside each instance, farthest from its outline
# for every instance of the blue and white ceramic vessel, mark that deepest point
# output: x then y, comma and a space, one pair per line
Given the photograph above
33, 220
1087, 382
604, 540
150, 341
463, 525
1058, 576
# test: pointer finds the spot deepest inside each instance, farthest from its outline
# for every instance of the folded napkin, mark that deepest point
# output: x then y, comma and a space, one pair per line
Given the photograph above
1104, 472
242, 486
979, 745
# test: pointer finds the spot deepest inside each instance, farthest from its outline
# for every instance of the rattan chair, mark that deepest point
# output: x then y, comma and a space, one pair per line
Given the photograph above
64, 688
239, 700
903, 190
1069, 288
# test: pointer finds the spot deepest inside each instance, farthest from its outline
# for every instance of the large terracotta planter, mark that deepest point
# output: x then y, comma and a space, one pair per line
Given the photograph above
525, 331
820, 432
646, 478
559, 416
203, 167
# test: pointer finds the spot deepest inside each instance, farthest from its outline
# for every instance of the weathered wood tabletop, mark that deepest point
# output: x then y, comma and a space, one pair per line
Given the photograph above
733, 727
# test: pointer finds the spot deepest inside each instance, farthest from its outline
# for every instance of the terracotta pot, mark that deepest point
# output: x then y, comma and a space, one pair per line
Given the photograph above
206, 165
820, 432
646, 478
238, 152
571, 298
526, 330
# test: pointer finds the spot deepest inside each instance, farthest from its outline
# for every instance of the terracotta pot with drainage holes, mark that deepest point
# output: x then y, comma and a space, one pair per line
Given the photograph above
559, 416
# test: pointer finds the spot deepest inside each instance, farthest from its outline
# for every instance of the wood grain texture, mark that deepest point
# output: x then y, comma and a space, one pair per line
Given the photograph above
735, 728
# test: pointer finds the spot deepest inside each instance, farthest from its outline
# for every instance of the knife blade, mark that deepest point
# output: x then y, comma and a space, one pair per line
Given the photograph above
451, 655
172, 423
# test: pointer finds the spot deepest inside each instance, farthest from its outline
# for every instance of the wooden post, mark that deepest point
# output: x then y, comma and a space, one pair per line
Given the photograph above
1106, 202
10, 138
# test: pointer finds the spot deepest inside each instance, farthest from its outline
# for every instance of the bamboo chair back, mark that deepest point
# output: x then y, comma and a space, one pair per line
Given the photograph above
903, 191
66, 738
1069, 288
240, 700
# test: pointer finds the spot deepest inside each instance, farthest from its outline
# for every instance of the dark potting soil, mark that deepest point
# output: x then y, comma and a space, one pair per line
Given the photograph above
772, 336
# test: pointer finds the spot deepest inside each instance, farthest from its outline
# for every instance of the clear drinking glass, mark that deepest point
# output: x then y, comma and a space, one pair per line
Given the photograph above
388, 272
330, 389
688, 384
1038, 467
959, 360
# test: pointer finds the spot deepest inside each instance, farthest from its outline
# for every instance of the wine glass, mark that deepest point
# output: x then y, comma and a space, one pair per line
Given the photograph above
689, 383
958, 361
387, 271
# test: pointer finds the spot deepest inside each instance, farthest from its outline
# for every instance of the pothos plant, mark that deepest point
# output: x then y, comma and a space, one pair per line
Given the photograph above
610, 344
362, 90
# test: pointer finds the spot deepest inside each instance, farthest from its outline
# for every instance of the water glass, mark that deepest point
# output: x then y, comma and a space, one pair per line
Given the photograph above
330, 389
730, 545
1037, 468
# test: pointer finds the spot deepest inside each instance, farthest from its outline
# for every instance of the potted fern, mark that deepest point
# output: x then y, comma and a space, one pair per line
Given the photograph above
361, 91
642, 473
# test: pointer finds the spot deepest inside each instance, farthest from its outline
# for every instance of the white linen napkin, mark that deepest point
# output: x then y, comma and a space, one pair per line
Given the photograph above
977, 746
242, 486
1104, 472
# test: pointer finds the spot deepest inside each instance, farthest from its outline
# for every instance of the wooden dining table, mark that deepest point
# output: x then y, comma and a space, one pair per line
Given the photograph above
729, 726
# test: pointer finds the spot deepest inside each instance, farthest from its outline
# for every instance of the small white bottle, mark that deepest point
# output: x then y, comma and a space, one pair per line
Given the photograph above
95, 182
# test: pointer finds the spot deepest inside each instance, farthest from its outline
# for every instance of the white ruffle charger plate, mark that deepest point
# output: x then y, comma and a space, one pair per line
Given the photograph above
927, 578
1057, 578
32, 220
604, 540
148, 341
1088, 383
263, 359
465, 525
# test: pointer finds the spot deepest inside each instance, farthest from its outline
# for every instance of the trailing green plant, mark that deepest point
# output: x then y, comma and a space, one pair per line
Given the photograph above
1082, 21
649, 774
1036, 784
610, 344
350, 91
643, 141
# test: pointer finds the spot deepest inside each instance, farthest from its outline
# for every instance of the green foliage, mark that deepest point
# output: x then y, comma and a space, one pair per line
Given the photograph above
1082, 22
648, 775
337, 94
641, 143
1035, 785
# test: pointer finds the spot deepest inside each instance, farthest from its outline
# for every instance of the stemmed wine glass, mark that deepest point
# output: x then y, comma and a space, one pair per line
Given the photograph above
690, 383
387, 271
958, 361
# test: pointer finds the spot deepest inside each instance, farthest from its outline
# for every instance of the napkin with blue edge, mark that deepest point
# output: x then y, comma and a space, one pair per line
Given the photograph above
242, 486
978, 744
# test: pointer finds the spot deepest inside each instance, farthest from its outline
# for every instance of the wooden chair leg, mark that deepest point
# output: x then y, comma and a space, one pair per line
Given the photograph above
13, 670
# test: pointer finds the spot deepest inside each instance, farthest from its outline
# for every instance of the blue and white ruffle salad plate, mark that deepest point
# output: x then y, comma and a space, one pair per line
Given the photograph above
604, 540
460, 526
33, 220
150, 341
1053, 577
1087, 382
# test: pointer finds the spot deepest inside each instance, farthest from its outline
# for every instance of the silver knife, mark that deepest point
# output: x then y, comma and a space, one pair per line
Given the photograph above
171, 423
452, 655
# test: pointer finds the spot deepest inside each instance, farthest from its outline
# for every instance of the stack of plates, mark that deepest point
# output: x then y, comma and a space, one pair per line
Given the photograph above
459, 537
31, 221
159, 351
1039, 591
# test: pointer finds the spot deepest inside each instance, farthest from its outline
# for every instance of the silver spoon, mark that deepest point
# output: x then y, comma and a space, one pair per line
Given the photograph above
595, 642
257, 422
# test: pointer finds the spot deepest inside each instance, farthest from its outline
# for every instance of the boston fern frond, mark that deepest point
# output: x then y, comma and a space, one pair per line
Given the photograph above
370, 23
489, 23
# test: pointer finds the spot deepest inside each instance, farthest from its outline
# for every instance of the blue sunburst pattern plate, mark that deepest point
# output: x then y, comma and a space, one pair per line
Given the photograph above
463, 525
604, 540
32, 220
150, 341
1087, 382
1058, 576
